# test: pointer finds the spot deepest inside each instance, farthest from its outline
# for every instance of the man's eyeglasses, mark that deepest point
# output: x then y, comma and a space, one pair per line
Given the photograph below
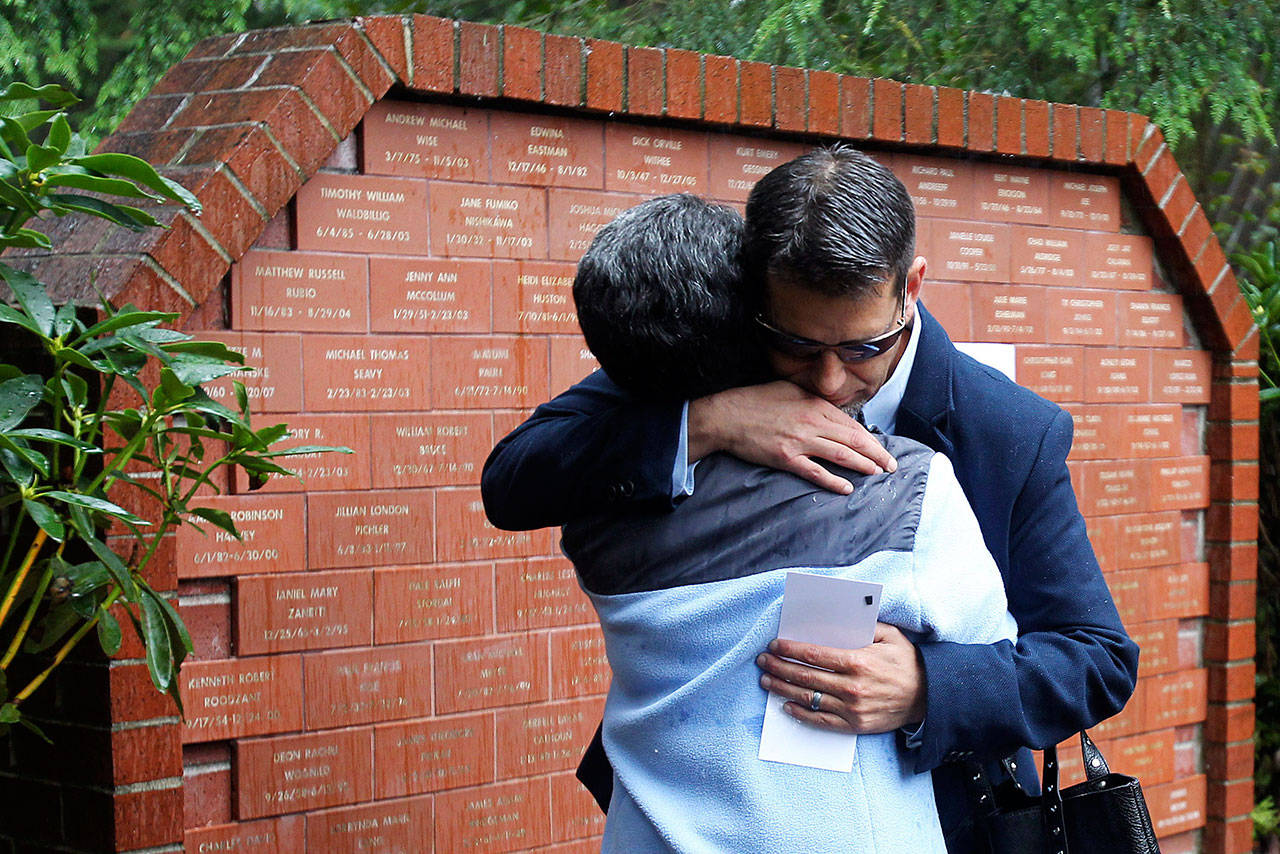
849, 352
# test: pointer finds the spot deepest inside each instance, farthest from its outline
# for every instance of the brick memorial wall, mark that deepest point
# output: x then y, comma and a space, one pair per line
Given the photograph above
377, 668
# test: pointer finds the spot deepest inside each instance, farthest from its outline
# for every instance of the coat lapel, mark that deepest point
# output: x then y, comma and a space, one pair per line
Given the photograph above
926, 407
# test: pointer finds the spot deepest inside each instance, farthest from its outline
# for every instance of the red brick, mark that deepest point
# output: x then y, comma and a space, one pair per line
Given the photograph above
1114, 134
1177, 806
1229, 837
950, 117
1036, 117
189, 257
478, 59
1148, 146
755, 88
918, 113
433, 54
521, 63
605, 66
1230, 722
337, 767
684, 84
1233, 562
383, 683
538, 739
1232, 681
791, 97
283, 613
1229, 761
488, 819
824, 102
982, 116
386, 827
1065, 129
207, 793
1249, 349
1235, 481
579, 666
646, 88
574, 813
1178, 206
1160, 177
887, 121
478, 674
855, 107
427, 755
1229, 642
1238, 322
208, 75
1008, 125
213, 46
239, 697
1234, 401
562, 70
1232, 798
147, 818
250, 153
269, 836
229, 216
721, 76
150, 113
1209, 267
386, 32
1231, 521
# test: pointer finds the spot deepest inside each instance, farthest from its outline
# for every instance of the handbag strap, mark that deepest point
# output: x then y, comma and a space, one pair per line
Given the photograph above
1095, 764
1055, 828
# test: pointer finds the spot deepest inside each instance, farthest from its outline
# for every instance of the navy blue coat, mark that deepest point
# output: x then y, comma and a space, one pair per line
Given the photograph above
1073, 664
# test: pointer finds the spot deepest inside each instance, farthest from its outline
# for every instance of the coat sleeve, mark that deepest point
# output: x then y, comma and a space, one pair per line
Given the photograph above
591, 446
1073, 664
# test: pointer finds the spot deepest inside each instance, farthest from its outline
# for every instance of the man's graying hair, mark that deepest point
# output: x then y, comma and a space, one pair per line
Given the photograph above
833, 220
658, 295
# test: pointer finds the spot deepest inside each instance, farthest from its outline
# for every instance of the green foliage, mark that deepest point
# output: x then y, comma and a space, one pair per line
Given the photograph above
1260, 283
66, 456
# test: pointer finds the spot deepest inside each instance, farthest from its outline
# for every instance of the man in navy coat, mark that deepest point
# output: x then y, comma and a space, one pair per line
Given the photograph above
835, 284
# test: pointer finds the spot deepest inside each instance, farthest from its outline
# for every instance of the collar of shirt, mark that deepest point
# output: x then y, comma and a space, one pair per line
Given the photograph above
882, 409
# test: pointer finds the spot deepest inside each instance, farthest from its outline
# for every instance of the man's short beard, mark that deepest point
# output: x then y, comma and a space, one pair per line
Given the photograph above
853, 410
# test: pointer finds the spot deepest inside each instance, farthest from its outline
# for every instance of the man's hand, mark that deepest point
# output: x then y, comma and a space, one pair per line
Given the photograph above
878, 688
782, 426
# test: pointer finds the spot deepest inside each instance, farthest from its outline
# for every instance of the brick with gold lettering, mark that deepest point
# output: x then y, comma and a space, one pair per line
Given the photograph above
320, 470
533, 297
386, 828
372, 528
547, 151
314, 610
488, 221
1179, 806
1127, 590
546, 737
951, 304
491, 819
1121, 261
1004, 193
429, 755
463, 532
1111, 487
1158, 641
1095, 433
738, 162
271, 537
270, 836
367, 373
1012, 313
1178, 698
1149, 756
1180, 376
349, 687
1078, 316
481, 674
1147, 431
361, 213
425, 141
571, 362
276, 291
579, 665
241, 697
440, 601
1104, 535
1117, 376
1053, 372
654, 160
938, 186
574, 813
483, 373
1183, 591
303, 772
429, 295
965, 251
1078, 200
429, 449
576, 215
272, 373
1181, 483
539, 593
1151, 320
1150, 539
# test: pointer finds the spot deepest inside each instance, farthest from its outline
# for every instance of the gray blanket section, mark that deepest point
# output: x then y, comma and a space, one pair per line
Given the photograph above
743, 519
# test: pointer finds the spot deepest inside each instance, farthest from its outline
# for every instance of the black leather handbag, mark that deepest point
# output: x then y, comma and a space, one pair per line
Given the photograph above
1106, 814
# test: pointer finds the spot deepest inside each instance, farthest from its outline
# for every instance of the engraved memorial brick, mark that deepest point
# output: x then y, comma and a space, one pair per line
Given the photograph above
1127, 591
1178, 806
314, 610
579, 665
549, 737
426, 141
1183, 591
547, 151
1010, 194
1116, 376
969, 251
481, 373
272, 375
951, 304
349, 687
1104, 536
574, 813
1149, 757
385, 828
575, 216
1112, 487
1012, 313
1095, 435
503, 817
270, 836
361, 213
539, 593
303, 772
463, 531
737, 163
488, 221
372, 528
479, 674
1150, 431
654, 160
429, 295
1053, 372
428, 755
571, 362
1081, 317
938, 186
422, 603
271, 537
1118, 261
1084, 201
300, 291
241, 697
1175, 699
1047, 256
1181, 483
1150, 539
1151, 320
320, 470
534, 297
352, 373
1180, 376
429, 449
1159, 644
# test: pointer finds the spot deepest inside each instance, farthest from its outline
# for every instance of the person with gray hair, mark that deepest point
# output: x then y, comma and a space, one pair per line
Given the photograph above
688, 599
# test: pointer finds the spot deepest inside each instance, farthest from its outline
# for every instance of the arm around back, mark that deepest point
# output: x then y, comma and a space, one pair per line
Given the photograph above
589, 447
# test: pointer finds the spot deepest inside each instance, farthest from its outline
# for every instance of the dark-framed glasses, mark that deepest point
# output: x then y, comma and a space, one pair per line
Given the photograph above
849, 352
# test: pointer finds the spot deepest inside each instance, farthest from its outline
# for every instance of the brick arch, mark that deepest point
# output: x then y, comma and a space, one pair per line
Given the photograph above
245, 120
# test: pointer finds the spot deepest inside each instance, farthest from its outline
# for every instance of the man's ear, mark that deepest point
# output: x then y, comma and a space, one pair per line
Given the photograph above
915, 280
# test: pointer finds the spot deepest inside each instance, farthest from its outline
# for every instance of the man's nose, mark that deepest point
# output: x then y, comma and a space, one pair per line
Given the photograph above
829, 375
